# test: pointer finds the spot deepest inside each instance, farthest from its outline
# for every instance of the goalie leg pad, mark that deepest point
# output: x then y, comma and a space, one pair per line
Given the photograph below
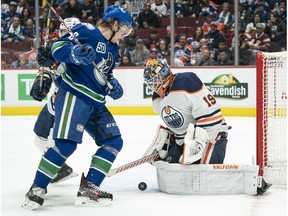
160, 143
207, 179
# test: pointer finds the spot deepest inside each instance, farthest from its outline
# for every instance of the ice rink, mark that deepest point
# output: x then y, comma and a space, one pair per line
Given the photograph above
20, 158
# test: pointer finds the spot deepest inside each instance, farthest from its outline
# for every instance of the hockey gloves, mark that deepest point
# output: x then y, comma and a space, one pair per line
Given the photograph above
195, 142
38, 93
117, 90
45, 58
82, 55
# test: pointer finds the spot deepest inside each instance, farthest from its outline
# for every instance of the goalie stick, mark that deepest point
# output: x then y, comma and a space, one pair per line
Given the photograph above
80, 45
133, 164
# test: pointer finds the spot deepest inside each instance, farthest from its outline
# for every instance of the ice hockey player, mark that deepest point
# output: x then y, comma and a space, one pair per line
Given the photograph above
80, 105
195, 131
43, 127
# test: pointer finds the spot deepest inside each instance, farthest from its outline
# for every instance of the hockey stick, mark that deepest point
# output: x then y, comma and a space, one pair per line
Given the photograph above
80, 45
45, 43
133, 164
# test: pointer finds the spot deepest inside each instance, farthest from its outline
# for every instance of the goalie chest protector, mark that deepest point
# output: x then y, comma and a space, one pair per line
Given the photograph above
189, 101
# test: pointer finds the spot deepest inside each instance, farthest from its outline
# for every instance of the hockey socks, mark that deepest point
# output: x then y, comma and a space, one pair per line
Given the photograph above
100, 165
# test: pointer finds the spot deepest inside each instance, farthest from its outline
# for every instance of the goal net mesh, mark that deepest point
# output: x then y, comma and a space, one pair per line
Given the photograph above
272, 117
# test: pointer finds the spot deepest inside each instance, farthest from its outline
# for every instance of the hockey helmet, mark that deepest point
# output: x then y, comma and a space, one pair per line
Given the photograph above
157, 75
123, 16
70, 23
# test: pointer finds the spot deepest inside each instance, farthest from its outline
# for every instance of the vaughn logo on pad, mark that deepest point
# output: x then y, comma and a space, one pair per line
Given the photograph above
227, 86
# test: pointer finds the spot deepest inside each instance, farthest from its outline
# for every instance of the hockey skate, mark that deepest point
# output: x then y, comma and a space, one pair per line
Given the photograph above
91, 195
64, 173
34, 198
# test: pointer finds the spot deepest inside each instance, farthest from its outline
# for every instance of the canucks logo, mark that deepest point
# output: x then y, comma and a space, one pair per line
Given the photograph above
172, 118
227, 86
104, 65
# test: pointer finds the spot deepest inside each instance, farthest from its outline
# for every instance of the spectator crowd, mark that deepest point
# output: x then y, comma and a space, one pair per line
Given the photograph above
204, 30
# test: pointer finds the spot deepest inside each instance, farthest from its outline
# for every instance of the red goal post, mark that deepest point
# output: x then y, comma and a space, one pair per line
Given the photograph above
271, 114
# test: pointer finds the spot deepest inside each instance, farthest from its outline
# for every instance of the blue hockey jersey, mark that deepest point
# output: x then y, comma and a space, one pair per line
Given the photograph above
83, 80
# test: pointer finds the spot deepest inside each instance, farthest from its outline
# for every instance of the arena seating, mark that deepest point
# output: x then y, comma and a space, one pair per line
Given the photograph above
187, 21
165, 21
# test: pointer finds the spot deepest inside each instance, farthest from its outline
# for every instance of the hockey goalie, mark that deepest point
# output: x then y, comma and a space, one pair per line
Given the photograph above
195, 132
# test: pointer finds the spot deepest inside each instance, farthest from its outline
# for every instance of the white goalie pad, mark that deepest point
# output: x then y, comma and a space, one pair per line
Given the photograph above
207, 179
160, 143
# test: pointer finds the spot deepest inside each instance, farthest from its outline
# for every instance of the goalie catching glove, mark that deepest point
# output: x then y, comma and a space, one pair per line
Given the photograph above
195, 142
160, 143
40, 93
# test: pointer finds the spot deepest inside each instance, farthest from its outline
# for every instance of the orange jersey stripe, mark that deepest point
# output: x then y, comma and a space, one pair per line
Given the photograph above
210, 119
207, 153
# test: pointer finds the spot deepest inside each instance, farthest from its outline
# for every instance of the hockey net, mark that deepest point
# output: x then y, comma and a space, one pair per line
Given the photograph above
272, 117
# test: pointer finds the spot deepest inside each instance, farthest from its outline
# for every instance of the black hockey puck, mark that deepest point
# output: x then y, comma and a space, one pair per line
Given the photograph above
142, 186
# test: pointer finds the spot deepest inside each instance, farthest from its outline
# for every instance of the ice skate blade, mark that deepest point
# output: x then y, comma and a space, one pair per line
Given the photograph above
85, 201
29, 204
71, 175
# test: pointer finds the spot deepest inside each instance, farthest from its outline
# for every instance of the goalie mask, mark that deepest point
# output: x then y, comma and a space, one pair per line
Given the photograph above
119, 13
70, 23
157, 75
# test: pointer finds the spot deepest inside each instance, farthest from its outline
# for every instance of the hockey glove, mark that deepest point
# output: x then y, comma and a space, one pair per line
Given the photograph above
85, 55
45, 58
161, 142
117, 90
38, 93
195, 140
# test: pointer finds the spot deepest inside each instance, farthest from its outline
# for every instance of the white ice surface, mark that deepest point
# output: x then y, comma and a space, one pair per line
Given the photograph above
20, 158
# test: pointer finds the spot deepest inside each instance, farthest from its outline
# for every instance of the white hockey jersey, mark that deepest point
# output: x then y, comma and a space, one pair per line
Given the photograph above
189, 101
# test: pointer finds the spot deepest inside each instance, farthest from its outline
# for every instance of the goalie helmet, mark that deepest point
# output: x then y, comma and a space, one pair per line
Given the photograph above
70, 23
119, 13
157, 75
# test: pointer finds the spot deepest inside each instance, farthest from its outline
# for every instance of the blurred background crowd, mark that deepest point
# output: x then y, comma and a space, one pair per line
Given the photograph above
204, 30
